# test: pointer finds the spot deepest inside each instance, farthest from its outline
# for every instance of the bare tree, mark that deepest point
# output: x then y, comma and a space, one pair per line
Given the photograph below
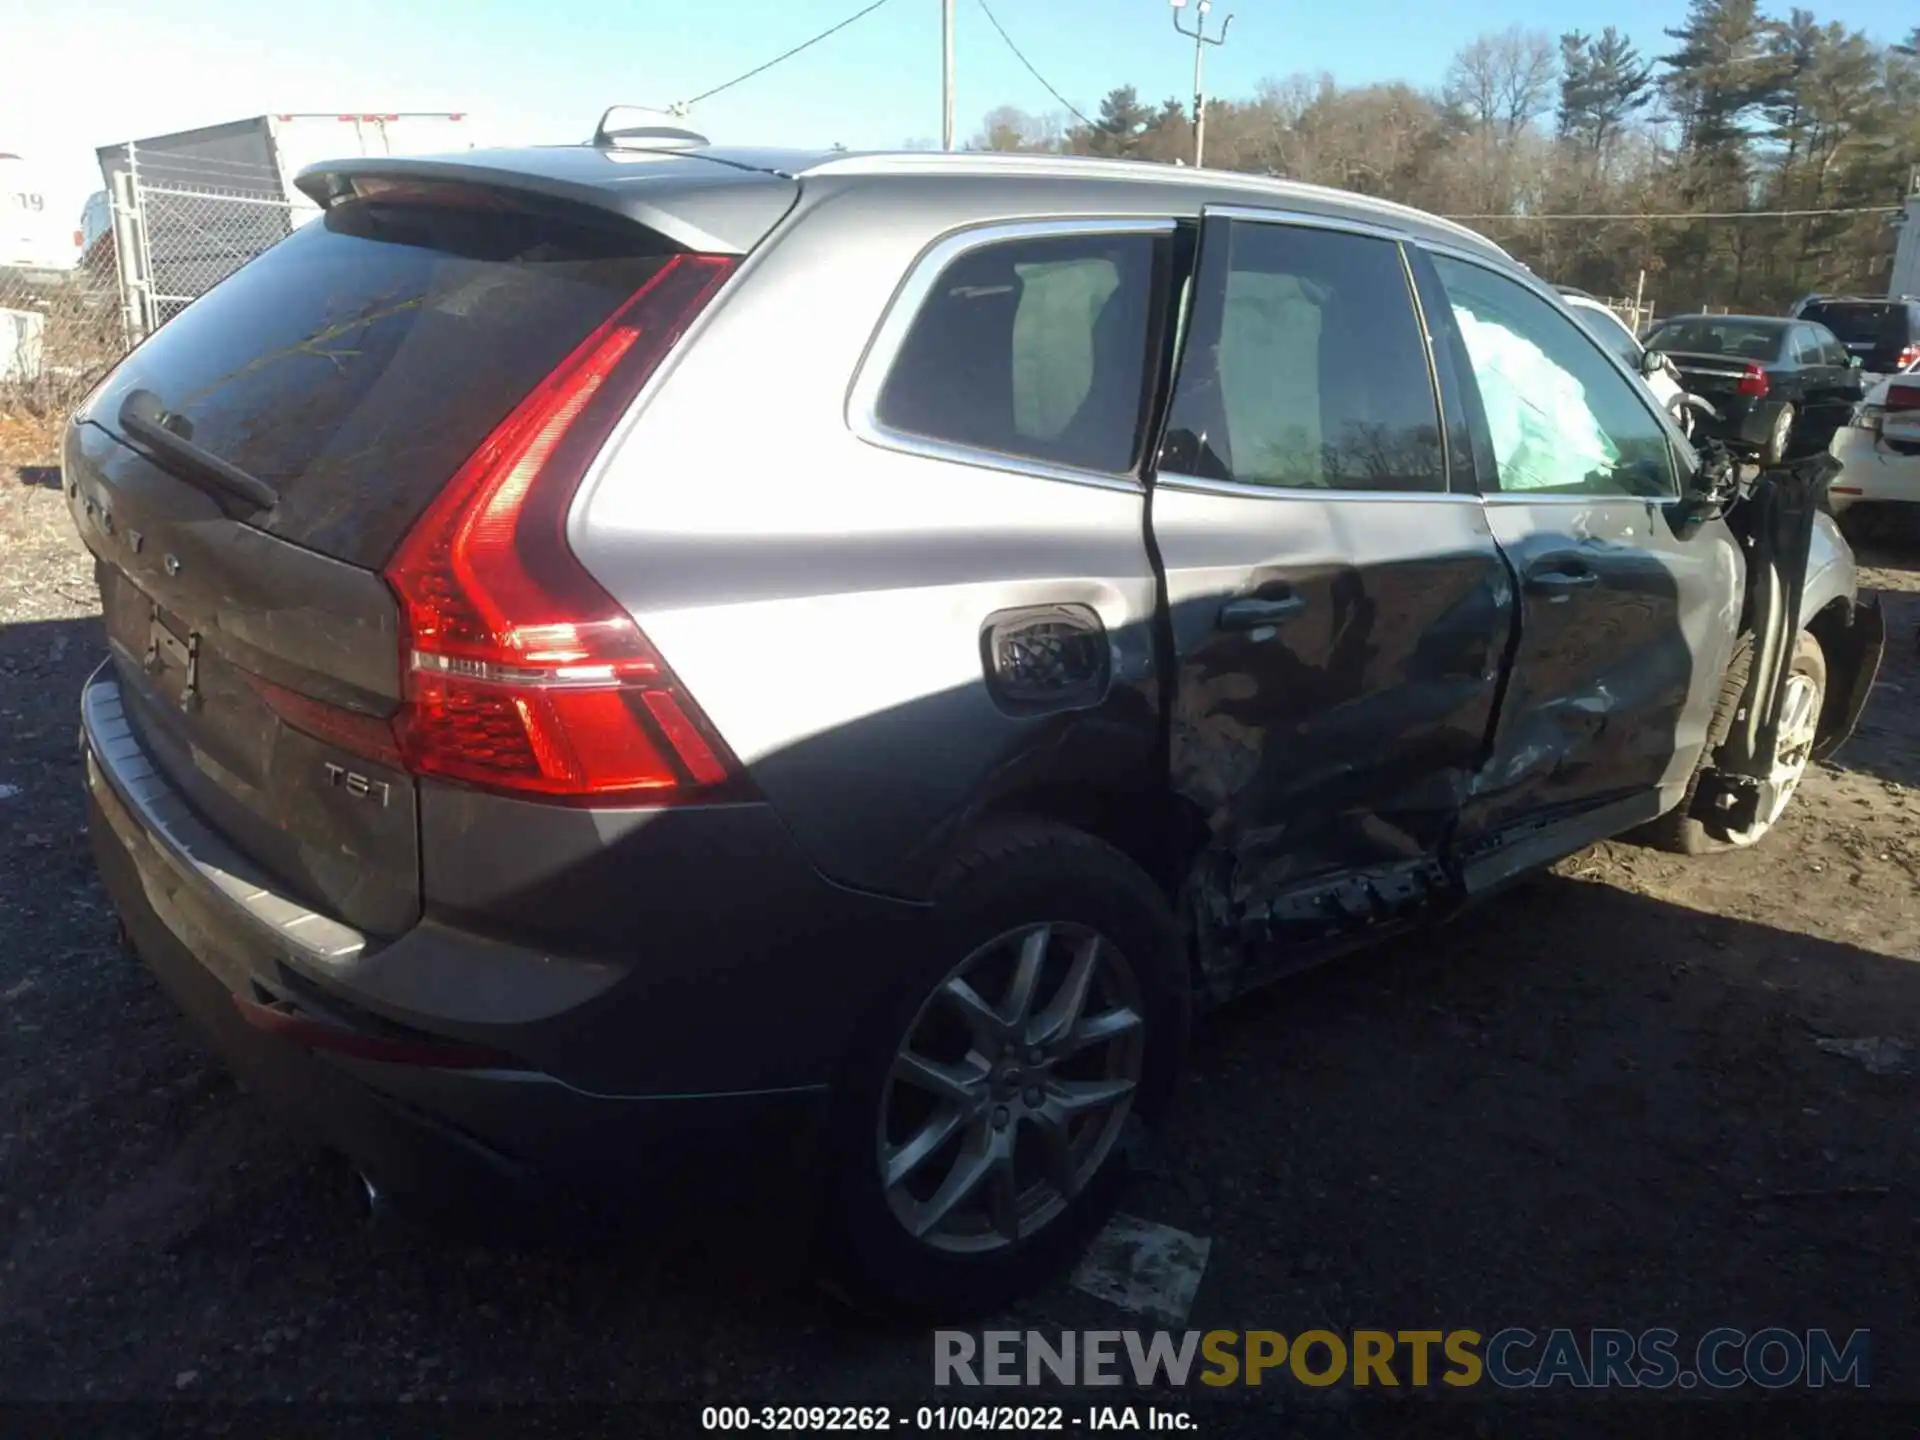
1504, 82
1008, 127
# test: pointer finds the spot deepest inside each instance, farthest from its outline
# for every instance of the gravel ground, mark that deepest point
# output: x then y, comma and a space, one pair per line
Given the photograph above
1598, 1101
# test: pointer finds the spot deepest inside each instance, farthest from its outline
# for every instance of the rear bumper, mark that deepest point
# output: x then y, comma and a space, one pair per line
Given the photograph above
1740, 419
274, 990
1872, 472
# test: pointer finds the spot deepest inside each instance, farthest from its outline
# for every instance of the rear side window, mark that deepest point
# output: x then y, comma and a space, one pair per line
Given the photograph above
1859, 323
1034, 348
1304, 368
358, 363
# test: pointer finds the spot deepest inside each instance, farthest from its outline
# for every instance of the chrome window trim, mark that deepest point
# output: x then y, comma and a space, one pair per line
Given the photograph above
1310, 219
1521, 497
1527, 280
1248, 490
883, 350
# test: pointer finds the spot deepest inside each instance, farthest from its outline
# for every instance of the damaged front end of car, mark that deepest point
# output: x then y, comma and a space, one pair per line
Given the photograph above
1774, 512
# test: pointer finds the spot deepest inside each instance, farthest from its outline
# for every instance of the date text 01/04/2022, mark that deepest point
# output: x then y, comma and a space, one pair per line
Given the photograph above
941, 1419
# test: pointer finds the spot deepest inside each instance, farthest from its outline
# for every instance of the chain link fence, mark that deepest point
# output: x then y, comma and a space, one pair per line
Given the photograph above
189, 240
61, 330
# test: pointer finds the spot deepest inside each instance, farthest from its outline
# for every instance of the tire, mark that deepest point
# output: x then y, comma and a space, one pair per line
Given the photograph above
1018, 881
1780, 438
1679, 830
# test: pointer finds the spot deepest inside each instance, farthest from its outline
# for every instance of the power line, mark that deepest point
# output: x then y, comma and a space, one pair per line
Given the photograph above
1029, 64
787, 55
1694, 214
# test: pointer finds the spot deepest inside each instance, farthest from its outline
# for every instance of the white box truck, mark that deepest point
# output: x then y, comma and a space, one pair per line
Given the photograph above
211, 199
33, 234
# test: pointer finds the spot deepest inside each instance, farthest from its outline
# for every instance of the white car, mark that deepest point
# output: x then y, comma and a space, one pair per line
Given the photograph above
1879, 447
1612, 332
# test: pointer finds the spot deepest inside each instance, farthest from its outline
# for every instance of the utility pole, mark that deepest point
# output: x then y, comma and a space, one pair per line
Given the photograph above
1200, 42
946, 74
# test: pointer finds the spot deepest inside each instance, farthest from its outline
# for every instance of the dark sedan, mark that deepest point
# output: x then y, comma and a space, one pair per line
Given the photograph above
1782, 385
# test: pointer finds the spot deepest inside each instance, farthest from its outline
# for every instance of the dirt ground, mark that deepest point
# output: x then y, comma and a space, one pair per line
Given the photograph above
1597, 1101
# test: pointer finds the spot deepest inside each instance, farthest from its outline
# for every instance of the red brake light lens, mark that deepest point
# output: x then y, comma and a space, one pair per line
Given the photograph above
1908, 356
1903, 397
1754, 382
522, 674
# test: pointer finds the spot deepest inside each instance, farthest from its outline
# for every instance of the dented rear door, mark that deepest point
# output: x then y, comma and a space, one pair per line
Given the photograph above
1339, 608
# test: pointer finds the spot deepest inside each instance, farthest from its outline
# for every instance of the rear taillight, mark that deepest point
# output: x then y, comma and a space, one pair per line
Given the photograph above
1908, 356
1903, 397
522, 674
1753, 382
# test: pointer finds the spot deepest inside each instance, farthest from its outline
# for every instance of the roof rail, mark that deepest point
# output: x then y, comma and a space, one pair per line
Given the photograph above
916, 162
607, 136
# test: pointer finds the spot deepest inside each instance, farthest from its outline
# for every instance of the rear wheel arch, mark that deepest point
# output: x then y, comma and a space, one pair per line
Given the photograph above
1156, 828
1007, 878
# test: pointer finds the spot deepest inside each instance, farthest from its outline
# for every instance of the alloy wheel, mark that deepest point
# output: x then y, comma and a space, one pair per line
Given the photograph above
1799, 728
1010, 1088
1782, 436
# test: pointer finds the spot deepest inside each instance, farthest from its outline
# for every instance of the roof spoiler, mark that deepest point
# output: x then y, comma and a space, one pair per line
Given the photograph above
715, 210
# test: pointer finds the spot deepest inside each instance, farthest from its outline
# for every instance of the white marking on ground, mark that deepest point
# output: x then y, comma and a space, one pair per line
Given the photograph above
1151, 1269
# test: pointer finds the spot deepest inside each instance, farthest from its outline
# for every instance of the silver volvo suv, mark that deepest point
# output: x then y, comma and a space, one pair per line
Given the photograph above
641, 659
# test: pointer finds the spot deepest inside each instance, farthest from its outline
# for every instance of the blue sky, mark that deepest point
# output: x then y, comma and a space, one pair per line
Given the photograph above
83, 73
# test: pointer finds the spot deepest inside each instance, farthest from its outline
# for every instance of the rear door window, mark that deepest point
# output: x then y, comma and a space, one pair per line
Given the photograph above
1033, 348
359, 362
1305, 369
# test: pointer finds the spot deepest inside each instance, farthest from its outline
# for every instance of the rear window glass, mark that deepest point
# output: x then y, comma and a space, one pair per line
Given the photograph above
1862, 324
355, 365
1034, 348
1708, 335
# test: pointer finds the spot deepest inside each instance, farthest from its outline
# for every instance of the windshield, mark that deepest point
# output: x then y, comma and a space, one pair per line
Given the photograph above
1716, 335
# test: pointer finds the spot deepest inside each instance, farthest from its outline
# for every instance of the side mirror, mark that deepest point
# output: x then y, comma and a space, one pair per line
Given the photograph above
1709, 492
1652, 362
1853, 362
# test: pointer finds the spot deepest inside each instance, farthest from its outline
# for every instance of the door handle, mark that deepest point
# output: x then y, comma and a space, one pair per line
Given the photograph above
1251, 612
1556, 582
